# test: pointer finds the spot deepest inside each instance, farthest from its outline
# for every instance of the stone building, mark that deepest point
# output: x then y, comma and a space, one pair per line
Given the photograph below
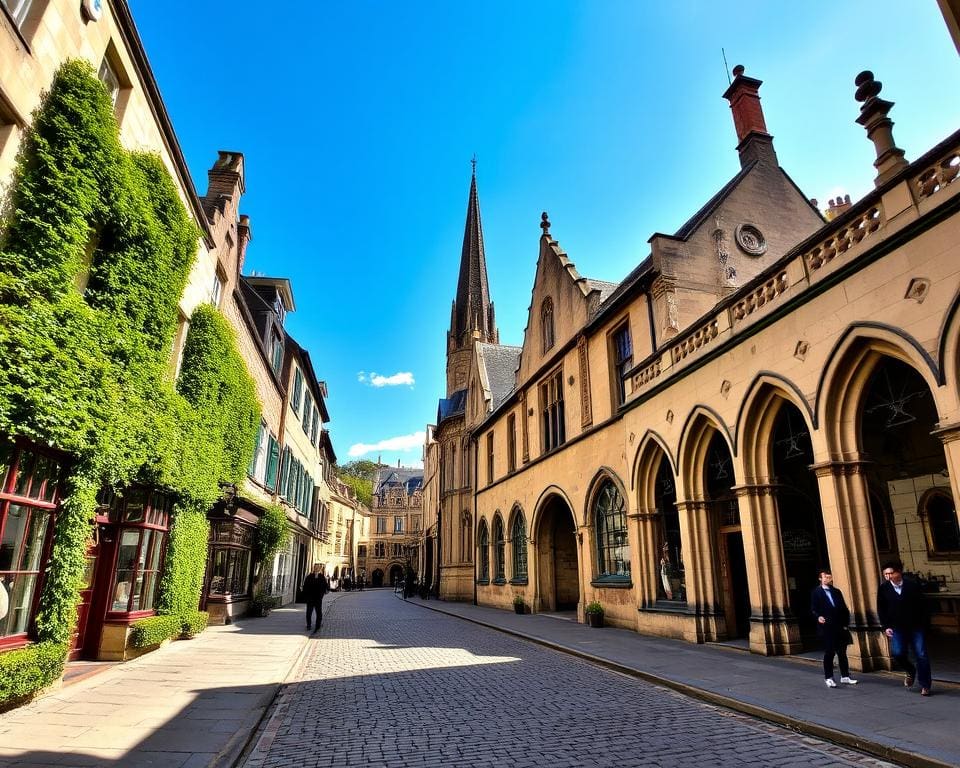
396, 525
766, 392
36, 37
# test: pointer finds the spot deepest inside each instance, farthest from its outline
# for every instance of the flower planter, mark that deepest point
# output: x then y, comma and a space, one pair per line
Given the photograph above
595, 619
518, 608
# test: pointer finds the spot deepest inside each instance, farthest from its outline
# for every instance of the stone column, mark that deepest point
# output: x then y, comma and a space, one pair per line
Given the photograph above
700, 569
949, 435
773, 628
647, 556
844, 499
583, 570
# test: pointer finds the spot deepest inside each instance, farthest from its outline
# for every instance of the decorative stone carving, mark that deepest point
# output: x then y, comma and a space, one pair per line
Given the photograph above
727, 272
725, 388
669, 417
800, 351
918, 289
751, 240
586, 403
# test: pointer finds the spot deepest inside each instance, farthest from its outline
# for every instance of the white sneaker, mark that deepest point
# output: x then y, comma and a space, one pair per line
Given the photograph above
848, 681
830, 683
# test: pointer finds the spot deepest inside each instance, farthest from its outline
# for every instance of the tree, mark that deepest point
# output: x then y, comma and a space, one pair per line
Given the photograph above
358, 476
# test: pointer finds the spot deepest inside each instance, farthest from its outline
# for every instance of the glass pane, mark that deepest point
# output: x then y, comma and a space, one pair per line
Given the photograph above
19, 590
126, 559
154, 562
217, 580
13, 531
137, 592
34, 543
148, 592
136, 506
24, 473
44, 479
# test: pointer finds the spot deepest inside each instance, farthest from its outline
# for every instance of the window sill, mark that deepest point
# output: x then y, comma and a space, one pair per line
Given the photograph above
613, 583
667, 606
499, 581
520, 582
483, 582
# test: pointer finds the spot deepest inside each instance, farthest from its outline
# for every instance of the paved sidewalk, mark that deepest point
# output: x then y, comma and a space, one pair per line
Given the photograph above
190, 704
878, 715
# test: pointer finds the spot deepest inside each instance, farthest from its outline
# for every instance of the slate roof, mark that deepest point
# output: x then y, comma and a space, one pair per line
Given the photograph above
500, 363
388, 477
605, 288
455, 405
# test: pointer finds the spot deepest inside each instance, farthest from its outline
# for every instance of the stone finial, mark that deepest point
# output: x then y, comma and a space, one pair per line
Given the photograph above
874, 118
545, 223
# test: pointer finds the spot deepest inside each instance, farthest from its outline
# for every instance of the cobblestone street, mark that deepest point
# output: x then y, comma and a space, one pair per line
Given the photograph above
389, 683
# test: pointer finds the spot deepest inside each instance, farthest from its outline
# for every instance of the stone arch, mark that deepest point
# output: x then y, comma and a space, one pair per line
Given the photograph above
759, 408
647, 448
556, 553
847, 371
694, 443
543, 501
602, 474
949, 346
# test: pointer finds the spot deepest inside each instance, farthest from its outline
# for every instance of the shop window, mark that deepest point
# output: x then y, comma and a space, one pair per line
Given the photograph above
671, 582
613, 550
551, 414
142, 517
29, 487
499, 549
519, 537
230, 572
483, 537
939, 516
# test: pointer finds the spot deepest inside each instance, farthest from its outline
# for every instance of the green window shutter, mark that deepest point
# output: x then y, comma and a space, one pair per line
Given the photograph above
273, 462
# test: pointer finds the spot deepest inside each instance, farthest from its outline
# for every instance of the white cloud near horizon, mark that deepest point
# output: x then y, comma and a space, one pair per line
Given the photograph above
400, 378
403, 443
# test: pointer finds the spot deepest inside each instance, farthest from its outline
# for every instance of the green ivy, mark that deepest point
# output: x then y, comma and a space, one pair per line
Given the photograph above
272, 533
94, 257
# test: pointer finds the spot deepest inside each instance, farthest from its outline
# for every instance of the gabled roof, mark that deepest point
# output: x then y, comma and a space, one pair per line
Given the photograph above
712, 204
455, 405
499, 363
391, 477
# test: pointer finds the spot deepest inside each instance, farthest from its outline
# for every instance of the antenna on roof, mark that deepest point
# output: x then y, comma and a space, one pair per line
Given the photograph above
726, 67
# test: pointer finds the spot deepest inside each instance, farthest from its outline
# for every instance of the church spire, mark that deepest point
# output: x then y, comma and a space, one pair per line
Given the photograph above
472, 317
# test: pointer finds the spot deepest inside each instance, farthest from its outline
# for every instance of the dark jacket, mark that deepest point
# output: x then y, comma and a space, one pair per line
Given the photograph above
837, 615
315, 587
906, 611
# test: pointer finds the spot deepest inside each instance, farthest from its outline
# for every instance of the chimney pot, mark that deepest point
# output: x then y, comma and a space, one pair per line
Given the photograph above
744, 97
738, 70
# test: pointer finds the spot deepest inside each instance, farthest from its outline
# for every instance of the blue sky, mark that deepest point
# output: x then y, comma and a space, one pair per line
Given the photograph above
358, 121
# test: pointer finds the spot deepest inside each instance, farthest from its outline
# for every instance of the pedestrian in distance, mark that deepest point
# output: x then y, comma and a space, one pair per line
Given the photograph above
903, 616
833, 619
314, 588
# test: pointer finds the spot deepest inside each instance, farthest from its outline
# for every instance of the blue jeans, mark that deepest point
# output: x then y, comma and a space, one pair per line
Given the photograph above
901, 643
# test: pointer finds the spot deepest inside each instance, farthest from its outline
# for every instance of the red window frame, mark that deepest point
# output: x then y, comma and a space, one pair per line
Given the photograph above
44, 498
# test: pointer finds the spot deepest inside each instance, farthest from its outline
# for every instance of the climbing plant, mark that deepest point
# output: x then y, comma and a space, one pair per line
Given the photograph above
272, 533
95, 254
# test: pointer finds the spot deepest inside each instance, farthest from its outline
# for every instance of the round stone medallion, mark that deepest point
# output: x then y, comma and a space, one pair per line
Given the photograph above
751, 240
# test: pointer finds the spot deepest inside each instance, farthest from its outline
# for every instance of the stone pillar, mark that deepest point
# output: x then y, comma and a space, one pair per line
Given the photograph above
647, 557
949, 435
584, 572
700, 570
844, 499
773, 627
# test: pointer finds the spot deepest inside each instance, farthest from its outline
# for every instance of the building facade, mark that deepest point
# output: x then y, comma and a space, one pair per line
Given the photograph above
767, 392
396, 525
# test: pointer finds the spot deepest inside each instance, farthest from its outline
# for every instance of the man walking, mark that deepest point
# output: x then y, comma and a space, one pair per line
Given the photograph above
314, 588
903, 616
832, 615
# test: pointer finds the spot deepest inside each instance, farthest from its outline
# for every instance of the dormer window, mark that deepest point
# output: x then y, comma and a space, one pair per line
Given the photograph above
546, 324
278, 308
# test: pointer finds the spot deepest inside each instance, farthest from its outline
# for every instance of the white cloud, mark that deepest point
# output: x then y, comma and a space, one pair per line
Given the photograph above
377, 380
403, 443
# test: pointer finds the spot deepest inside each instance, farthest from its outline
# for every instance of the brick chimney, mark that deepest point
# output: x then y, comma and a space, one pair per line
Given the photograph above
244, 236
744, 97
837, 206
225, 185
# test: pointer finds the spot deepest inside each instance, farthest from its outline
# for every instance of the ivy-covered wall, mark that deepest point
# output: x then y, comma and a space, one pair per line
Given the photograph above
94, 257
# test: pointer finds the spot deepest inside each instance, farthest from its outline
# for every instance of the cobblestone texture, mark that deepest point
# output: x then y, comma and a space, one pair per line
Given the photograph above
390, 684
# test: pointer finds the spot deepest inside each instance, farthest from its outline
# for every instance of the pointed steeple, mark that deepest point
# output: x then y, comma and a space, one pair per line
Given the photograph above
473, 312
472, 316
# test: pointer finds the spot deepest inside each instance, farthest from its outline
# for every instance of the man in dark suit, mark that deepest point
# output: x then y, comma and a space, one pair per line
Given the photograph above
832, 615
903, 616
314, 588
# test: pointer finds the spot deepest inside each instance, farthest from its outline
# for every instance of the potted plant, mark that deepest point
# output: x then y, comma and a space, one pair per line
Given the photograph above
518, 604
261, 605
594, 613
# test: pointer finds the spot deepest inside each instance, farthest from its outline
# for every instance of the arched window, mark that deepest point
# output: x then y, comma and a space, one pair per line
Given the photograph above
499, 549
613, 551
519, 536
483, 544
939, 516
546, 324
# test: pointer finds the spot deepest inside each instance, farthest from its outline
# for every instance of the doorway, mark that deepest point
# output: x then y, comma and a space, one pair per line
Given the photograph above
736, 602
559, 570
